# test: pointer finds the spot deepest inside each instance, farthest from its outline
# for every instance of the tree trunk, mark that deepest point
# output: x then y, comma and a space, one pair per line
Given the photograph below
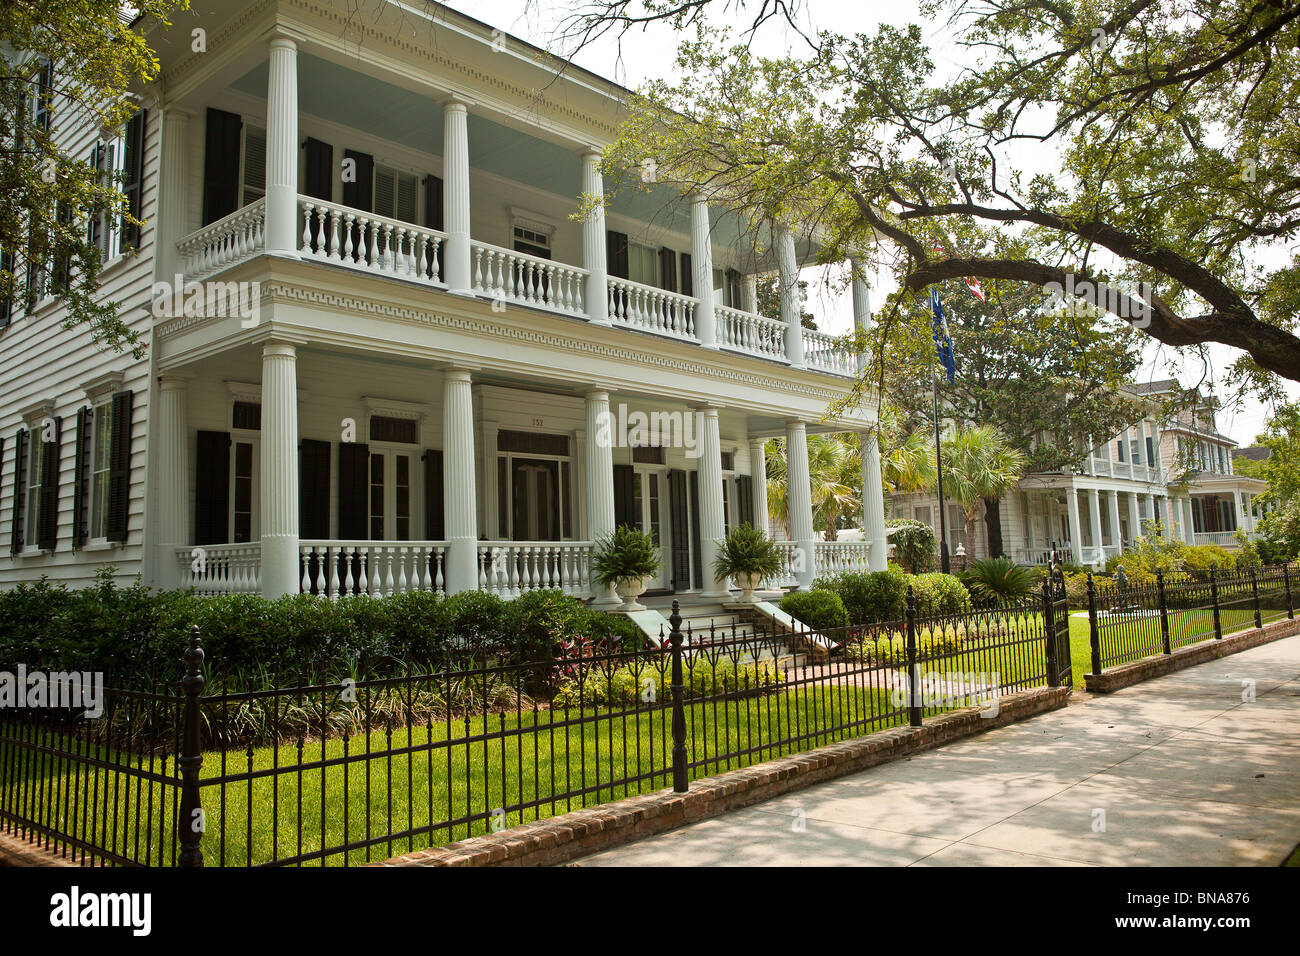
993, 525
970, 533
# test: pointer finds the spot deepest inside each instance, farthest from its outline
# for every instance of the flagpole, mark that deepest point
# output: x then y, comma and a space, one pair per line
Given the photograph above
944, 563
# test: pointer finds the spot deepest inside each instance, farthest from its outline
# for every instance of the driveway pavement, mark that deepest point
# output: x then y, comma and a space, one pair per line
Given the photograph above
1178, 771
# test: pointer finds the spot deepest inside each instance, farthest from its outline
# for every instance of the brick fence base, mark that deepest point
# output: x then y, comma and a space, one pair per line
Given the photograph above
571, 835
1125, 675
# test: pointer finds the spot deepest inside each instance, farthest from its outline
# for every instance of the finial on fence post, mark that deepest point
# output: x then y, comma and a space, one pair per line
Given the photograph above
680, 782
190, 822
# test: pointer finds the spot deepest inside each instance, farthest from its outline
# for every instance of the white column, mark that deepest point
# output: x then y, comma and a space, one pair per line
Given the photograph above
706, 329
1157, 461
457, 265
1094, 515
172, 443
279, 472
861, 307
1076, 535
1112, 508
758, 470
594, 250
873, 503
1236, 509
172, 223
458, 485
1189, 530
712, 514
789, 286
1134, 517
749, 294
599, 470
282, 149
798, 496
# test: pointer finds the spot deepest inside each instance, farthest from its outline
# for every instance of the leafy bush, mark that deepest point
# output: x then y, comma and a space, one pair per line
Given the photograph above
819, 610
540, 623
938, 593
998, 579
869, 597
914, 546
626, 554
1202, 557
746, 551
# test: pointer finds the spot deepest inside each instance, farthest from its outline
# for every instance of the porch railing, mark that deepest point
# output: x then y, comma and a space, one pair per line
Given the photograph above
214, 569
652, 310
750, 333
832, 557
368, 242
528, 280
1225, 539
226, 242
821, 351
512, 568
381, 569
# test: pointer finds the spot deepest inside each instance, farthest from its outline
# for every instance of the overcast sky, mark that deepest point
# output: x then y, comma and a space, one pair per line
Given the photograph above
647, 54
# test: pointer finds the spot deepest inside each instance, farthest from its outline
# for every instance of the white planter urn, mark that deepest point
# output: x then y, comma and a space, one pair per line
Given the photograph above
629, 591
747, 583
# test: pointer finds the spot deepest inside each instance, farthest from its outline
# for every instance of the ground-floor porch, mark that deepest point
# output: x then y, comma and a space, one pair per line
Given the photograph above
1224, 504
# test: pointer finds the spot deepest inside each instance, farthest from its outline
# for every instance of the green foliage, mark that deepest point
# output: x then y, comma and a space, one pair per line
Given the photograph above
835, 480
819, 610
938, 593
1281, 469
869, 597
979, 462
1202, 557
747, 551
1280, 534
998, 579
625, 554
914, 546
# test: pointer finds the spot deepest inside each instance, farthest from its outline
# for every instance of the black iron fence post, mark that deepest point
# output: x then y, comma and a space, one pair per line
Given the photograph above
680, 782
1094, 632
190, 822
915, 714
1049, 626
1254, 590
1164, 612
1214, 601
1286, 582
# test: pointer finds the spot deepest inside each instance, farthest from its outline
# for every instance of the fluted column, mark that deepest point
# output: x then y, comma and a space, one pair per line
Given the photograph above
279, 472
861, 307
1189, 522
282, 149
758, 470
594, 250
749, 294
798, 496
173, 475
873, 503
712, 514
702, 273
455, 196
171, 221
458, 487
1076, 534
1134, 517
788, 266
1094, 509
598, 464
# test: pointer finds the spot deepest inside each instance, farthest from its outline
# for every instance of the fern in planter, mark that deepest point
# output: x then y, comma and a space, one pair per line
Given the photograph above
747, 551
624, 555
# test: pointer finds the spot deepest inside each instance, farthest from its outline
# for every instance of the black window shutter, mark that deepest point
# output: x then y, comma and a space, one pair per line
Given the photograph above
680, 529
698, 558
80, 478
133, 165
62, 274
688, 277
6, 302
212, 489
616, 254
318, 179
434, 507
359, 194
354, 497
668, 269
433, 211
624, 497
119, 472
220, 165
314, 489
44, 96
20, 492
47, 522
745, 501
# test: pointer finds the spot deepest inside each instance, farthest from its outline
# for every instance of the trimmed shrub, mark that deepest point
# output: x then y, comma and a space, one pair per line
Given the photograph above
869, 597
819, 610
938, 593
914, 546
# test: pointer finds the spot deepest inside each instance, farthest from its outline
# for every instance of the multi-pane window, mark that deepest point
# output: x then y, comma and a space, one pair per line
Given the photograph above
35, 480
376, 497
402, 496
102, 230
101, 459
243, 488
643, 264
532, 242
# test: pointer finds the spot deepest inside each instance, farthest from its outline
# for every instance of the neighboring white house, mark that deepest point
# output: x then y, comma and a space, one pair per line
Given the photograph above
1094, 511
382, 351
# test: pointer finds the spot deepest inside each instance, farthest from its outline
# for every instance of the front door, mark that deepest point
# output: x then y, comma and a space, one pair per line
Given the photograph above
390, 494
649, 492
535, 485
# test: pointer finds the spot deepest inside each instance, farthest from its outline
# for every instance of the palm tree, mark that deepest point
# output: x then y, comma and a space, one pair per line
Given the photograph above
979, 464
835, 476
906, 461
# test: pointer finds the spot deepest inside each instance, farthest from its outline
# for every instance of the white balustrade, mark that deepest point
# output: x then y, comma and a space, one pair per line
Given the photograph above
653, 310
375, 244
216, 569
822, 351
336, 569
226, 242
515, 277
792, 563
750, 333
512, 568
832, 557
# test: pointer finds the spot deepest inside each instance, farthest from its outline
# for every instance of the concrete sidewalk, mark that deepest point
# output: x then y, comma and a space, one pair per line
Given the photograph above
1179, 771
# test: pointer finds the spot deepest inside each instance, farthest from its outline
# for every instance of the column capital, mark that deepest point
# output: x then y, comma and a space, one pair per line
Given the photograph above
456, 103
170, 381
457, 373
597, 394
284, 37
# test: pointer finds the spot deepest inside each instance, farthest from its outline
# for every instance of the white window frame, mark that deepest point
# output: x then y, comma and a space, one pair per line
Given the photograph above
99, 479
109, 217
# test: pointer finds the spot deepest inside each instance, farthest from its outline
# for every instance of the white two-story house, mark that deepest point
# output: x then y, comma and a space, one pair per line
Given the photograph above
389, 345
